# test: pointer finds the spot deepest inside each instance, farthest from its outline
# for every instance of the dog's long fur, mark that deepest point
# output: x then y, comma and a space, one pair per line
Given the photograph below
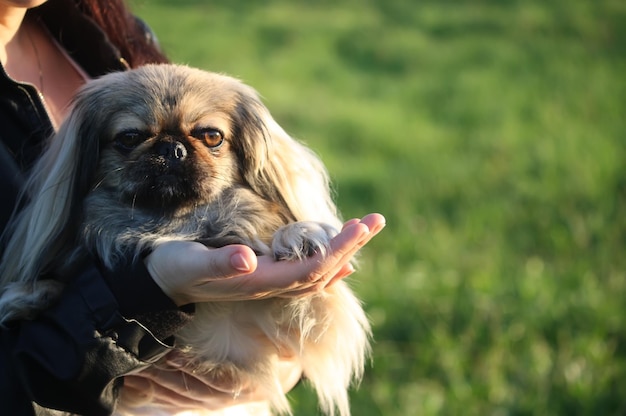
139, 162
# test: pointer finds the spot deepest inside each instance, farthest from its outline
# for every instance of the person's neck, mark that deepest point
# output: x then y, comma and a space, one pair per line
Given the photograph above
11, 19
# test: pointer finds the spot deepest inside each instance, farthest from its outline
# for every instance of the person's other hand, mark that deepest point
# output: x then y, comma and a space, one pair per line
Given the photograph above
190, 272
171, 387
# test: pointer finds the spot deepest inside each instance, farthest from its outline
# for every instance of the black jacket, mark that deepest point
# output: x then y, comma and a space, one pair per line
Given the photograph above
107, 323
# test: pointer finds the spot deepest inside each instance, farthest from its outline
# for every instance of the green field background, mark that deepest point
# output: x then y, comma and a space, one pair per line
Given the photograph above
492, 135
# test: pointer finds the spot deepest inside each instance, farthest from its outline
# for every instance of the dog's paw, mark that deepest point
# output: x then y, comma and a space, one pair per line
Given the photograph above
302, 239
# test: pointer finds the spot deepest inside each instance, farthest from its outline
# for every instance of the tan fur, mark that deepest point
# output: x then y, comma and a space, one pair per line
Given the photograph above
137, 161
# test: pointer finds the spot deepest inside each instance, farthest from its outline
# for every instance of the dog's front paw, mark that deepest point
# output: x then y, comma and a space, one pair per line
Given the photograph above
302, 239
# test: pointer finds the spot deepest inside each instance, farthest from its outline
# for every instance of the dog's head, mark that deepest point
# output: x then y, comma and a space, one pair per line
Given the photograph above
166, 137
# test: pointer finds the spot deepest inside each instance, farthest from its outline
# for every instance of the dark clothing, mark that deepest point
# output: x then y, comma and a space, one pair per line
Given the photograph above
107, 323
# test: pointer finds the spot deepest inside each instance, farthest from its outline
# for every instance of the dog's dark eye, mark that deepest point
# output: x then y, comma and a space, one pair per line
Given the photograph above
211, 137
129, 139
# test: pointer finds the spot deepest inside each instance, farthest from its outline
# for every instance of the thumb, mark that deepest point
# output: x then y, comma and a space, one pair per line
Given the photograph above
178, 267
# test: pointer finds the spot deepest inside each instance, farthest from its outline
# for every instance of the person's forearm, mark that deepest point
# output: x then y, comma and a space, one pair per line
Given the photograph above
71, 356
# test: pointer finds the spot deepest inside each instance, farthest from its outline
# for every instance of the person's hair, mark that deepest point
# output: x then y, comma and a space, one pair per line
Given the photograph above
130, 35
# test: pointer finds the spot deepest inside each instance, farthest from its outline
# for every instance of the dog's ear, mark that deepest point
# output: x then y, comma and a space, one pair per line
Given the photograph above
279, 168
52, 197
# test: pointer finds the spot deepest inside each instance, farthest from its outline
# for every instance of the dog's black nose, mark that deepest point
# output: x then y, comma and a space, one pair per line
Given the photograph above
172, 150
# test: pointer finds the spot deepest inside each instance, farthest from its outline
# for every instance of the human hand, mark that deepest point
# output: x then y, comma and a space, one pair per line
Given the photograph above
190, 272
171, 387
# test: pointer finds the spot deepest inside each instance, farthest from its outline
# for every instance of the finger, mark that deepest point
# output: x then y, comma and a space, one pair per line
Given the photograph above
136, 389
222, 382
218, 263
179, 387
344, 272
179, 266
350, 222
229, 261
142, 389
374, 221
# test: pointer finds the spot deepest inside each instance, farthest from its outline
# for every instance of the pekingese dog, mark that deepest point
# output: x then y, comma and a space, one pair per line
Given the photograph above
168, 152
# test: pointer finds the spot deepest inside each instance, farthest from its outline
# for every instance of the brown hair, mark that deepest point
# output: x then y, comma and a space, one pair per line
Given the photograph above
130, 35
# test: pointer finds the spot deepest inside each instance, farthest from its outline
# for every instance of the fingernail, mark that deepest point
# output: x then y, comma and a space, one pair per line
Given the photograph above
239, 262
380, 227
365, 233
346, 271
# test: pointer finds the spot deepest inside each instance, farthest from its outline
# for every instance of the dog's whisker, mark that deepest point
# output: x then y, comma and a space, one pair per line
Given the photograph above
185, 380
132, 207
110, 173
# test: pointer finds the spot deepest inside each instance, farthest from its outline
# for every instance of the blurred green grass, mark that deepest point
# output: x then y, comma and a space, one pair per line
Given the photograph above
492, 135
